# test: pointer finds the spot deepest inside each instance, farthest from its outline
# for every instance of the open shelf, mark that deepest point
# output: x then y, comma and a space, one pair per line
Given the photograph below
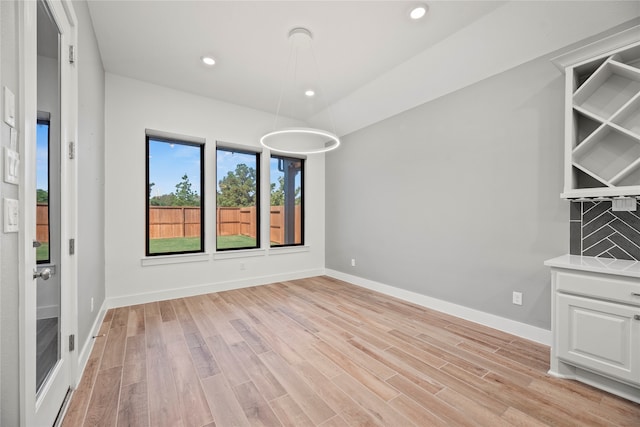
606, 153
585, 180
629, 116
632, 178
585, 125
608, 89
583, 72
602, 126
630, 56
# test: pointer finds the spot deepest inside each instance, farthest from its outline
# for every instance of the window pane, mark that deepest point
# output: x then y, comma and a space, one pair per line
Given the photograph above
287, 201
42, 192
175, 202
238, 212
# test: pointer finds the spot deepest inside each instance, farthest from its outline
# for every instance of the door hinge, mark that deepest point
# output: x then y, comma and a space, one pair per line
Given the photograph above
72, 150
72, 342
72, 54
72, 246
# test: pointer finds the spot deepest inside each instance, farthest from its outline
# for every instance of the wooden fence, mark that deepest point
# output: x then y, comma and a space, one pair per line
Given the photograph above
234, 221
277, 224
42, 222
166, 222
173, 221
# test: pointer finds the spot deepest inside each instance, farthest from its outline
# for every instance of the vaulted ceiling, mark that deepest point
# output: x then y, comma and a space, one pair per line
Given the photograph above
372, 60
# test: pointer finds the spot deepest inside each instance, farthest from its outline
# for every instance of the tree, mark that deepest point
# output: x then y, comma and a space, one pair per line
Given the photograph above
277, 195
184, 195
163, 200
42, 196
238, 188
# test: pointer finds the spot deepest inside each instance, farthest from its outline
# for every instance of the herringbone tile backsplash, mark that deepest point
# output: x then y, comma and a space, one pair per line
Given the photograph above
598, 231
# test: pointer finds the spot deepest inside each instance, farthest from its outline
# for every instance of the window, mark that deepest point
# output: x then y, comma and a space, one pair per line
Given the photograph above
42, 193
287, 201
237, 199
175, 196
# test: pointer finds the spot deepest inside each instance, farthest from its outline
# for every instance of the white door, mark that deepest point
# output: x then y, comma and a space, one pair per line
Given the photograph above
49, 209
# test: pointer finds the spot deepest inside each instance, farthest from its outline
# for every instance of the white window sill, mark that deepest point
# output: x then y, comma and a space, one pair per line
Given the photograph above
222, 255
174, 259
289, 250
240, 253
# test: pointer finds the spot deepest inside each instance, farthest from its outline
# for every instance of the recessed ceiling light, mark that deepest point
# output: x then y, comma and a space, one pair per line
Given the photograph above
208, 60
309, 93
418, 11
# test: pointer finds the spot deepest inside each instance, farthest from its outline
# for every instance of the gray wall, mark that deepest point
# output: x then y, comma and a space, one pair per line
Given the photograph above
9, 291
458, 199
90, 148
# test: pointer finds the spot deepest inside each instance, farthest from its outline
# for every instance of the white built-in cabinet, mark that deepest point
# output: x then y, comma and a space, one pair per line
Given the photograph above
595, 316
596, 323
602, 117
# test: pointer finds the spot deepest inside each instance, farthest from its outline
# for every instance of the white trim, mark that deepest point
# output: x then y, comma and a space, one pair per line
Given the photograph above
283, 250
520, 329
240, 253
47, 311
159, 134
142, 298
604, 47
87, 347
174, 259
238, 147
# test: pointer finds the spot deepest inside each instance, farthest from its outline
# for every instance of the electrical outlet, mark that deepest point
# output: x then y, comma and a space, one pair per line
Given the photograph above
92, 304
517, 298
353, 262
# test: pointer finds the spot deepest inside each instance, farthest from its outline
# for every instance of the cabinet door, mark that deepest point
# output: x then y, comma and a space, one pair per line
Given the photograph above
599, 335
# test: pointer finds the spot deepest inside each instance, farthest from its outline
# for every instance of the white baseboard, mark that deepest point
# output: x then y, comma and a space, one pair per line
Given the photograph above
513, 327
48, 312
142, 298
84, 354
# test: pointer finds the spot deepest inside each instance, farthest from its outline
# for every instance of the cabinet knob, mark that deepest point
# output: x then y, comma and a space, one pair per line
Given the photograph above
637, 317
635, 294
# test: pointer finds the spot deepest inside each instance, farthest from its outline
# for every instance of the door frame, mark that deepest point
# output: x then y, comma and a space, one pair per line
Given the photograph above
63, 13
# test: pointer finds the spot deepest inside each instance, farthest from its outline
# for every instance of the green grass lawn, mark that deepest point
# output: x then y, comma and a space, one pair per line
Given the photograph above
237, 241
42, 253
176, 244
185, 244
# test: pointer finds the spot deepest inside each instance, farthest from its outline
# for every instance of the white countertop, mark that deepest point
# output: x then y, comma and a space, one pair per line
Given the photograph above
618, 267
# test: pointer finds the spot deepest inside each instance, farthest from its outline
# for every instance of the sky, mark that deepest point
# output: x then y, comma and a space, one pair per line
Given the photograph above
42, 157
169, 162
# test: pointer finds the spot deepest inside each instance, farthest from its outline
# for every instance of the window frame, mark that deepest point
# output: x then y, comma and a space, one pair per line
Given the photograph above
45, 119
233, 148
303, 161
175, 139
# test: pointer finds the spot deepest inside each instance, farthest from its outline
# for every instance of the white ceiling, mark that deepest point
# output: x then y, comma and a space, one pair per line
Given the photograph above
362, 48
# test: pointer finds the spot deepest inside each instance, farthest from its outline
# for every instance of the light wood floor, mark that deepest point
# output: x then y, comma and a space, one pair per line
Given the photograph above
320, 352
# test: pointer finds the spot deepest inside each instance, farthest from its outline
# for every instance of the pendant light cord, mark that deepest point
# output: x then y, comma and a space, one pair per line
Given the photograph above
293, 55
282, 85
324, 98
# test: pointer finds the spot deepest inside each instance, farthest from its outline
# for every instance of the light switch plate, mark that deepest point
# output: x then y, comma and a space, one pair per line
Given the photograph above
9, 107
13, 143
11, 216
11, 166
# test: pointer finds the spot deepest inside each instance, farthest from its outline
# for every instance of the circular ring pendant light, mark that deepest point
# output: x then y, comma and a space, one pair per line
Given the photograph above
299, 140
